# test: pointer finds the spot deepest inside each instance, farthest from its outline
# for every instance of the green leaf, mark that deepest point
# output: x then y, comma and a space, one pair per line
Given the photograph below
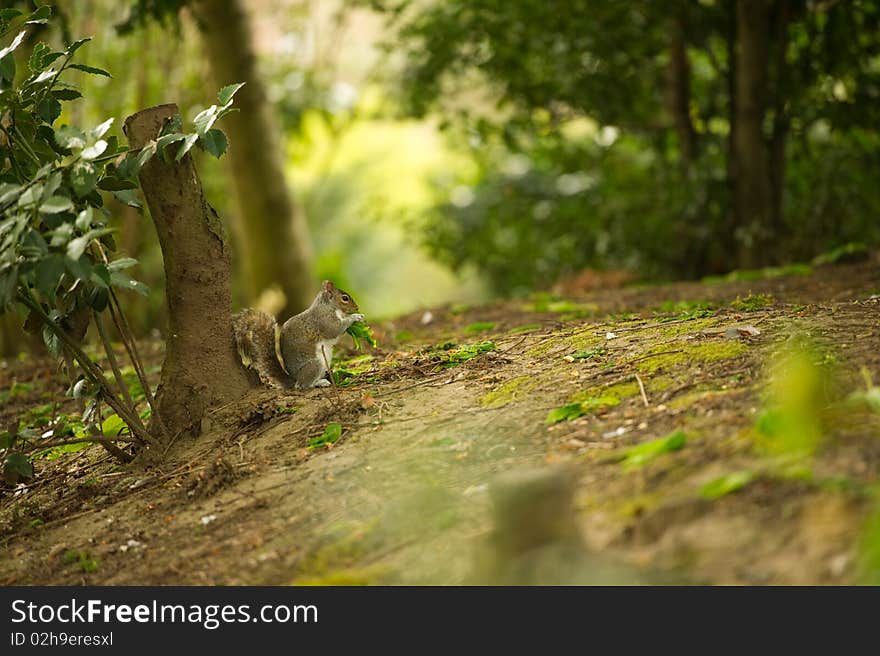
112, 183
332, 432
49, 109
40, 16
35, 62
56, 204
122, 263
83, 177
361, 331
94, 150
84, 219
50, 339
565, 413
226, 93
205, 119
70, 138
10, 13
8, 191
66, 94
112, 426
168, 139
127, 197
16, 468
76, 45
642, 454
726, 484
12, 46
48, 274
122, 280
61, 235
90, 69
98, 299
78, 246
214, 141
100, 130
188, 143
7, 68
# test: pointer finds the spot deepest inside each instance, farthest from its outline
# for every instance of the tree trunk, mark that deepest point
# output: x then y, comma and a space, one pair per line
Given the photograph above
753, 195
201, 365
680, 94
276, 247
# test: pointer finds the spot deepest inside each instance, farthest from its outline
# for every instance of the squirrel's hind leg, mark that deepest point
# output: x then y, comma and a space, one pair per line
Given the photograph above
311, 374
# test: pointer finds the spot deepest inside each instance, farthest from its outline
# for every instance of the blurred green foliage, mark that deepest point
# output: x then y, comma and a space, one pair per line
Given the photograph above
565, 107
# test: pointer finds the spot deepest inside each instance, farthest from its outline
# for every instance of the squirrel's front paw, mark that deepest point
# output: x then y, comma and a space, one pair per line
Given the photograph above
323, 382
356, 317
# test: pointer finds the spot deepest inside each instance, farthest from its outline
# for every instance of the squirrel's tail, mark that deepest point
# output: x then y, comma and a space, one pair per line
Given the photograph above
255, 337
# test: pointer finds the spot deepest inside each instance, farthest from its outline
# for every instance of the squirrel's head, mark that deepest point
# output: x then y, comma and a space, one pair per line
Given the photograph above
341, 299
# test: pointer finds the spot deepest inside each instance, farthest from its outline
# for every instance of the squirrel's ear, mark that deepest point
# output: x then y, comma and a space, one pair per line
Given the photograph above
327, 286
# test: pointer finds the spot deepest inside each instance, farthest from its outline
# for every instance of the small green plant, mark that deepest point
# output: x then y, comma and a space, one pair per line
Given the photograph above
752, 302
686, 310
361, 331
640, 455
588, 406
480, 327
332, 432
81, 559
727, 484
589, 354
454, 355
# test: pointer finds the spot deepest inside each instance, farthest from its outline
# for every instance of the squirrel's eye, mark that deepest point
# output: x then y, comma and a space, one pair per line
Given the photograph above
346, 298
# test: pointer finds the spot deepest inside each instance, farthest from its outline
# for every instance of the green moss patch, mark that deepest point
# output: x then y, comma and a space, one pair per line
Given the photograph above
752, 302
507, 392
669, 356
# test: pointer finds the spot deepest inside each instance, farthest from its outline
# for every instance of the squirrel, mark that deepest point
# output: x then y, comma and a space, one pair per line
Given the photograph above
305, 341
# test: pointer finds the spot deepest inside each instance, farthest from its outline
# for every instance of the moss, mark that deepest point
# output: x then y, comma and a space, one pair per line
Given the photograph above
687, 327
585, 340
480, 327
704, 352
619, 391
752, 302
507, 392
524, 329
542, 348
372, 575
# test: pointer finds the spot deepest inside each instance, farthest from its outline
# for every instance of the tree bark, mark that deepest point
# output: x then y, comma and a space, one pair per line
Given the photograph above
276, 247
753, 193
680, 94
201, 365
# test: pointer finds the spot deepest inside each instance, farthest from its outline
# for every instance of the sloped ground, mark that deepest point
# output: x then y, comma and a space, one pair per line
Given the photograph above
450, 468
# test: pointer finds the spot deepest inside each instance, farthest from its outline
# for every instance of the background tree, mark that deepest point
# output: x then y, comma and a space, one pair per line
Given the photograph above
655, 135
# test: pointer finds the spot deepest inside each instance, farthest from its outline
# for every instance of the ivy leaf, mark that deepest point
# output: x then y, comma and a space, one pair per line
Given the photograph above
83, 178
214, 141
56, 204
90, 69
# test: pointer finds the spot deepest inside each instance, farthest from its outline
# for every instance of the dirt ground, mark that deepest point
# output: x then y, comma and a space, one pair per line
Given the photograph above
451, 468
